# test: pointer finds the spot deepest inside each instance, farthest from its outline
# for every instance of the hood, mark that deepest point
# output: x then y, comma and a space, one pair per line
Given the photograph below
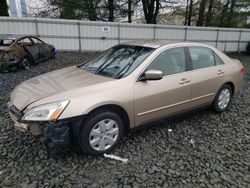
53, 83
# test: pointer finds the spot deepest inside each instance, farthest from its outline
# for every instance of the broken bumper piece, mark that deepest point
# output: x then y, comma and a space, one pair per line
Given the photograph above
61, 135
7, 66
56, 136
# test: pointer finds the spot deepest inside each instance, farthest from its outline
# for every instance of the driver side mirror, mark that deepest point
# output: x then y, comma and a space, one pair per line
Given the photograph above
153, 75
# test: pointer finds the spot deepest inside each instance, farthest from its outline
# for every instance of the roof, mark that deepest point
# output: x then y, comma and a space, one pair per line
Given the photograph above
158, 43
12, 36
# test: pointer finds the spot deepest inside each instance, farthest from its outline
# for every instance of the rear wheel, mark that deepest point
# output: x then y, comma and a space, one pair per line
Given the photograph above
25, 63
223, 98
101, 132
53, 54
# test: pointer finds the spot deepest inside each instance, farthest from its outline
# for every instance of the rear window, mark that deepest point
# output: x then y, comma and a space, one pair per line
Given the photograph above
202, 57
6, 42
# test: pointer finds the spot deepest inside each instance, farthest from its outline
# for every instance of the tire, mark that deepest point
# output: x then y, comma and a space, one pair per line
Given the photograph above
223, 98
101, 132
25, 63
53, 54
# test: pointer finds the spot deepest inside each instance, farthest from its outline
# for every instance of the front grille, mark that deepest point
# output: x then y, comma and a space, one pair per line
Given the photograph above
15, 111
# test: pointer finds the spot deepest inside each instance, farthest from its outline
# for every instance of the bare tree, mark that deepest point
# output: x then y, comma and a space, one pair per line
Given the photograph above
190, 12
42, 9
151, 10
231, 12
186, 13
201, 16
223, 13
111, 10
130, 11
209, 13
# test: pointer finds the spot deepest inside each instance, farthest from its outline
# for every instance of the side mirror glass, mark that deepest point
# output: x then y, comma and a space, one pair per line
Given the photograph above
153, 75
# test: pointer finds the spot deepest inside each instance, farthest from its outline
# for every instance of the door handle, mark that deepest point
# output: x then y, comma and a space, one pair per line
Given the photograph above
183, 81
220, 72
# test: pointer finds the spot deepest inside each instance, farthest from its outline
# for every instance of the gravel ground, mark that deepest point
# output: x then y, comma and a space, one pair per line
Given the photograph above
203, 150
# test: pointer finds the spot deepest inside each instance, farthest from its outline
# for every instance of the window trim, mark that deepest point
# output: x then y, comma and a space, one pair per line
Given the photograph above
215, 54
187, 61
31, 38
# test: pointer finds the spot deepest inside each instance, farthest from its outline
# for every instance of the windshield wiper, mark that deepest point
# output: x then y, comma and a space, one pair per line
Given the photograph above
119, 75
103, 66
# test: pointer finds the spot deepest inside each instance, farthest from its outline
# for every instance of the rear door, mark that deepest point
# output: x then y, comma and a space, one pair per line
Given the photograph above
207, 75
157, 99
43, 48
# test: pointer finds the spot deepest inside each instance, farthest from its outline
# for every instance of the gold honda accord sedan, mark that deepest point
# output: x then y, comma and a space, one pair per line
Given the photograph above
132, 84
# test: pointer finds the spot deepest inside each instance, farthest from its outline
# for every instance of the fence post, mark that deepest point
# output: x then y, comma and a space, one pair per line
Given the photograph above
154, 32
79, 36
36, 26
217, 37
239, 42
185, 37
119, 33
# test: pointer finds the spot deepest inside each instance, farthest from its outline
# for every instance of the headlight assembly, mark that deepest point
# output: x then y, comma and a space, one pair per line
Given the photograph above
46, 112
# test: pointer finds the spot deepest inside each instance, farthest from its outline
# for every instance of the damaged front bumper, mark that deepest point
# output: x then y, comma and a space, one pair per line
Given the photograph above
60, 134
7, 66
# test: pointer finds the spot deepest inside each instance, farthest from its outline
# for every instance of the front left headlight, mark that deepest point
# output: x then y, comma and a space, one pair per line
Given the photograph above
46, 112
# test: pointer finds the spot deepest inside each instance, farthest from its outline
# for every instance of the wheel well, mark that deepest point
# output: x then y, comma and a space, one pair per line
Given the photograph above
231, 85
29, 58
116, 109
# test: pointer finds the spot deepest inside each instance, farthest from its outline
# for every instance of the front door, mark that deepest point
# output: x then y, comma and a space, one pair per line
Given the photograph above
157, 99
29, 48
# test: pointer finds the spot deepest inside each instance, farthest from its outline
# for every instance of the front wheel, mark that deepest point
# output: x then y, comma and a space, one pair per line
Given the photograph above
25, 63
223, 98
101, 132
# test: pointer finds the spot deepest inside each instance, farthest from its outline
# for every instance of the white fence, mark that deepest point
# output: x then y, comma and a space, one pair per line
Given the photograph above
87, 35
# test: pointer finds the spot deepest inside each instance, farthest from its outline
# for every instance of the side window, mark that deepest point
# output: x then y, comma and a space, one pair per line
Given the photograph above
201, 57
25, 41
218, 60
170, 61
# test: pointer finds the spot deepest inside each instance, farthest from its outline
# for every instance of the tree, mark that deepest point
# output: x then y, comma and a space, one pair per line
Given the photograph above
130, 11
209, 13
201, 16
151, 10
186, 13
231, 12
71, 9
111, 10
190, 12
3, 8
223, 13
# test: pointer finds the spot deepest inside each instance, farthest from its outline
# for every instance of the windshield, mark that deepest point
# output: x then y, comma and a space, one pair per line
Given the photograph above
118, 61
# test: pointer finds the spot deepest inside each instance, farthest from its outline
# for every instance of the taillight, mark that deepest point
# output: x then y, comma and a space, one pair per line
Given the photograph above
242, 69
